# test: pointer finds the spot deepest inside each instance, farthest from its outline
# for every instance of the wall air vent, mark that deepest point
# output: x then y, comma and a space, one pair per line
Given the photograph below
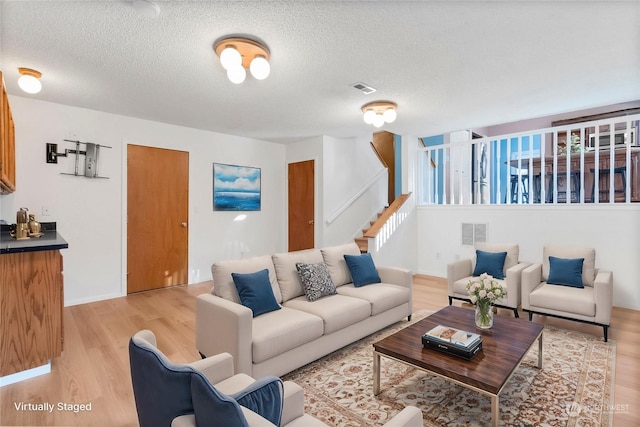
364, 88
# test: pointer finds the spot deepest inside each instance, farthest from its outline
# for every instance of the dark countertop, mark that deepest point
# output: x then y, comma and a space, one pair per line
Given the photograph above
50, 241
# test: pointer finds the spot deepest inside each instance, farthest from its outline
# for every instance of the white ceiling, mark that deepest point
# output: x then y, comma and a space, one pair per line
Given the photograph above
448, 65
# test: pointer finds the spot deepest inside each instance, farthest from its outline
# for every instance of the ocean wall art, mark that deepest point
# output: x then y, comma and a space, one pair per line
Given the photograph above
236, 188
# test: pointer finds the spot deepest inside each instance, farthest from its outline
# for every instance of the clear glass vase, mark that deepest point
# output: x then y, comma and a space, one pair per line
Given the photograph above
484, 314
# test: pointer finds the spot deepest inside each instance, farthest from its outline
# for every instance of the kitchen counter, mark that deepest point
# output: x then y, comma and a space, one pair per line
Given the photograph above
50, 240
31, 307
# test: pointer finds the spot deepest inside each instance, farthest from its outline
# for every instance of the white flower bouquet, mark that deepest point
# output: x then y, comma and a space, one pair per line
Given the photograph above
483, 291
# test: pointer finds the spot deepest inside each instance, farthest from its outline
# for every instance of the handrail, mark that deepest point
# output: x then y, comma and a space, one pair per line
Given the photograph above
355, 197
375, 150
388, 213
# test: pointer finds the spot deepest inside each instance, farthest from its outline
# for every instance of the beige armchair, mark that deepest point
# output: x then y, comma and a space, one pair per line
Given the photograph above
591, 303
459, 274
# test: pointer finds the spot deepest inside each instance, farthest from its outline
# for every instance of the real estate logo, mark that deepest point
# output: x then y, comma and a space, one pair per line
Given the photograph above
574, 409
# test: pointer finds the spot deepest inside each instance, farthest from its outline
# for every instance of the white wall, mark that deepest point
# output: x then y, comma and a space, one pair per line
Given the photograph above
358, 215
350, 165
612, 230
544, 122
88, 212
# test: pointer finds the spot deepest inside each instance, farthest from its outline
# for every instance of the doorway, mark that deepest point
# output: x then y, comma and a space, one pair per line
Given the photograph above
157, 218
301, 188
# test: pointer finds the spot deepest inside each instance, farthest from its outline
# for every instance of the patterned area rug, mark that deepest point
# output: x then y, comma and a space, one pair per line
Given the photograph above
574, 388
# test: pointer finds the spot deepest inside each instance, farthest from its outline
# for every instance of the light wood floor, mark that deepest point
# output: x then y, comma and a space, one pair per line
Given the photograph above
94, 367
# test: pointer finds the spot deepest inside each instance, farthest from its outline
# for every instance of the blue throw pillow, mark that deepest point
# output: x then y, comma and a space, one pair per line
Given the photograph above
565, 271
255, 292
363, 270
491, 263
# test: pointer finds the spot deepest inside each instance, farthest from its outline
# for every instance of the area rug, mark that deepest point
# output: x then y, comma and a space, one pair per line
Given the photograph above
574, 388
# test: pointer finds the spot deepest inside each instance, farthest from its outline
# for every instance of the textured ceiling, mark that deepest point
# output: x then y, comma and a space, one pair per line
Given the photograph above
448, 65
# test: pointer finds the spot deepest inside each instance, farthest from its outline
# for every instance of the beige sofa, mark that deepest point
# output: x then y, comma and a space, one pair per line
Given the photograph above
301, 331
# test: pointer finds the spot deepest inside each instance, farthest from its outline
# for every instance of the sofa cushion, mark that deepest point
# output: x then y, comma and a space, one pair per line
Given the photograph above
255, 291
334, 258
512, 250
287, 274
363, 270
588, 267
565, 299
279, 331
316, 280
223, 285
337, 311
381, 296
491, 263
565, 271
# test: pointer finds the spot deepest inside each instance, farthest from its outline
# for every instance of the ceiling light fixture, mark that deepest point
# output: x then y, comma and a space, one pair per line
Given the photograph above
29, 80
147, 8
239, 53
379, 112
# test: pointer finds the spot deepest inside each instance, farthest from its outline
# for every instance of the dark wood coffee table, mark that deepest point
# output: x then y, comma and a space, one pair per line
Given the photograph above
503, 348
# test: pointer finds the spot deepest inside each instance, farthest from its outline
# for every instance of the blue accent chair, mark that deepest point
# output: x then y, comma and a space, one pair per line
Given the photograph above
163, 390
207, 393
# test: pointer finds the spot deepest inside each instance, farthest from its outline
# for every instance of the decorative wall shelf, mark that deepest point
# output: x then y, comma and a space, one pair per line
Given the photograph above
92, 153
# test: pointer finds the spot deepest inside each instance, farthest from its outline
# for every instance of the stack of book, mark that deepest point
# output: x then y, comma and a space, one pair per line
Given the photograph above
453, 341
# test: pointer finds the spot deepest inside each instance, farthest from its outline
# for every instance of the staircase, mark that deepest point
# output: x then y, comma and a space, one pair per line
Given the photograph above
363, 242
376, 225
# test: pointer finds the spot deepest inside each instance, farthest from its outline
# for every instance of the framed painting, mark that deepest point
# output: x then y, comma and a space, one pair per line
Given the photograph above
236, 188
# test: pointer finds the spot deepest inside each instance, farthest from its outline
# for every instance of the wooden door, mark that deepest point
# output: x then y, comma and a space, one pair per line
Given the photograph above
301, 205
157, 218
384, 145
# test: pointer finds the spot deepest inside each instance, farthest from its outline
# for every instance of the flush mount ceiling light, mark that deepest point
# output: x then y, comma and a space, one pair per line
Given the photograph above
238, 53
29, 80
379, 112
147, 8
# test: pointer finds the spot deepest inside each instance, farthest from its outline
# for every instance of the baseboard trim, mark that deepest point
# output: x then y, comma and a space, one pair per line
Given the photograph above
25, 375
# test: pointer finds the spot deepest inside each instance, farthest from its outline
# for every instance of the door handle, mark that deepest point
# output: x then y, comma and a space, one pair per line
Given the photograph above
184, 224
311, 222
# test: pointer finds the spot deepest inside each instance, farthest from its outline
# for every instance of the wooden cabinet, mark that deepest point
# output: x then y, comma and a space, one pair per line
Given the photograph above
31, 313
7, 144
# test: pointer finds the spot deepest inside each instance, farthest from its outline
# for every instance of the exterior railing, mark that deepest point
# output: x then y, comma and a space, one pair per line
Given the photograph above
589, 162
